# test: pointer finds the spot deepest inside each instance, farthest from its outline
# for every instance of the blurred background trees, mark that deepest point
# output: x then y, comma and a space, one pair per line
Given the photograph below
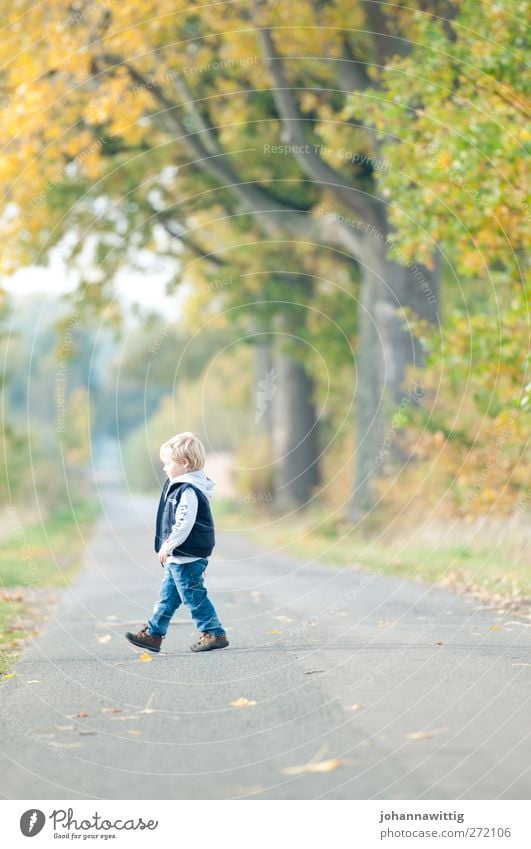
335, 194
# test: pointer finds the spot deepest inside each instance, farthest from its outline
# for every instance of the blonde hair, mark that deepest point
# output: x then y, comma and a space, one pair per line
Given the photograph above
184, 446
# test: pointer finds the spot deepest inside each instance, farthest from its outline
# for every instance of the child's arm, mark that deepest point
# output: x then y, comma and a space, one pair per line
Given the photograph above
185, 517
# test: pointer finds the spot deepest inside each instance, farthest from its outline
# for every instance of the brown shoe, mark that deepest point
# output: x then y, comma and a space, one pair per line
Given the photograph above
207, 642
144, 639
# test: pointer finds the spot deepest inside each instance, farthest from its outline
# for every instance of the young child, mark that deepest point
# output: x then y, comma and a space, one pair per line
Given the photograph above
184, 539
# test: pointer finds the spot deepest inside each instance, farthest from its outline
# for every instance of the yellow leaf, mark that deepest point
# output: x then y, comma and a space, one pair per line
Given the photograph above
242, 702
144, 658
11, 675
314, 766
423, 735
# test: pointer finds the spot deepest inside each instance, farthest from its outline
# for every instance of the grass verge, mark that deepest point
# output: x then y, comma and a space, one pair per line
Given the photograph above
36, 558
485, 573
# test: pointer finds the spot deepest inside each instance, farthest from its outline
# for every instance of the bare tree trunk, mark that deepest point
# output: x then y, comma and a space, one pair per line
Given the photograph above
295, 424
296, 443
385, 350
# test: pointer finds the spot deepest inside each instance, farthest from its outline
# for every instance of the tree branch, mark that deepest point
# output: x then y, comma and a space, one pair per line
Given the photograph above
304, 151
275, 217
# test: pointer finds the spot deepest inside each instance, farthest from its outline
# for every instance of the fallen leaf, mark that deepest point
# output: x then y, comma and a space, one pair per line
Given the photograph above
144, 658
439, 643
314, 766
81, 714
112, 710
86, 733
9, 675
274, 631
313, 671
495, 628
242, 702
105, 639
148, 708
423, 735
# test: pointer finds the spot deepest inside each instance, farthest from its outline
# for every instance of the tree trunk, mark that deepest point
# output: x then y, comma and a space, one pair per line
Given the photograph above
385, 350
296, 443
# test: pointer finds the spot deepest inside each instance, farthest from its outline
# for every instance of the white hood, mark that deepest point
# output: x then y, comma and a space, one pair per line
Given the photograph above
198, 479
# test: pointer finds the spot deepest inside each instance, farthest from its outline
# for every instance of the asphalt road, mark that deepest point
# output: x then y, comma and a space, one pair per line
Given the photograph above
361, 686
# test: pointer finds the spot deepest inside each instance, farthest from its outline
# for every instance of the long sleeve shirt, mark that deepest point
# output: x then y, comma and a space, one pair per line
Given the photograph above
185, 517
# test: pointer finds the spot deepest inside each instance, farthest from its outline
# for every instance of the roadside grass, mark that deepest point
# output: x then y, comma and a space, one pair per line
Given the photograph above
484, 572
38, 557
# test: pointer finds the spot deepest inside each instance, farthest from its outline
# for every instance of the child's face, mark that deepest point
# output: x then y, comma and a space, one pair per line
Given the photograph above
173, 468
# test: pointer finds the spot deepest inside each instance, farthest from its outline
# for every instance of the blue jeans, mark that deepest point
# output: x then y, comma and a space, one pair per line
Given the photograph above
184, 583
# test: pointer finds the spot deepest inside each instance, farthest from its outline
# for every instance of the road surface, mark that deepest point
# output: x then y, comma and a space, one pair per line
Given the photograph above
353, 685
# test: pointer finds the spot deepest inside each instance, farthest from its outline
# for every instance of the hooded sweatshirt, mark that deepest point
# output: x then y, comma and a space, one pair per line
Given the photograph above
186, 512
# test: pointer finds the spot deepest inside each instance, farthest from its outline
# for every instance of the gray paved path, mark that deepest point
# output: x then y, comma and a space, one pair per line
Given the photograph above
84, 718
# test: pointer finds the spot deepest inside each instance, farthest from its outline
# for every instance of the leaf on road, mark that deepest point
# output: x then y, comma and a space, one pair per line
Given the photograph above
105, 639
144, 658
112, 710
313, 671
314, 766
76, 715
148, 708
423, 735
242, 702
9, 675
274, 631
495, 628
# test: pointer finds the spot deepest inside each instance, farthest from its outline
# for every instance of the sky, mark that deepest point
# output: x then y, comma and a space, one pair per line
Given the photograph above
145, 289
